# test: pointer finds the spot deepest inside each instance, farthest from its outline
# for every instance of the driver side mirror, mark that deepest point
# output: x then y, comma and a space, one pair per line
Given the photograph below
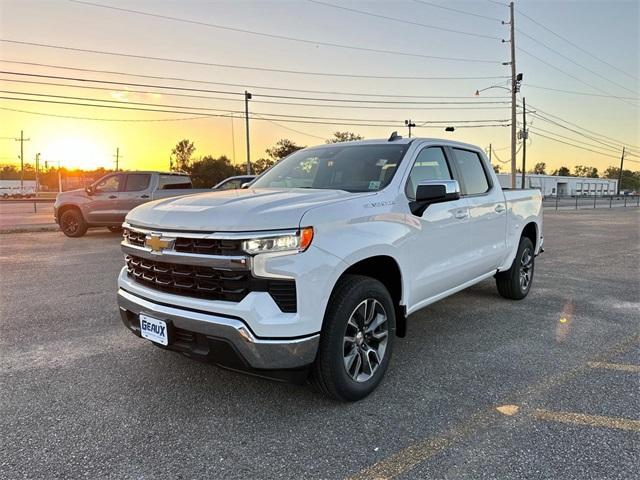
89, 190
245, 185
434, 191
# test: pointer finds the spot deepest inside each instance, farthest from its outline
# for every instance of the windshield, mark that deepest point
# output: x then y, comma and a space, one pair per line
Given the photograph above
354, 168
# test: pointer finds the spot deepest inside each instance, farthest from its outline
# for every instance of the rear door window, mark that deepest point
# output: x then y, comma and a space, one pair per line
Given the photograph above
474, 176
137, 182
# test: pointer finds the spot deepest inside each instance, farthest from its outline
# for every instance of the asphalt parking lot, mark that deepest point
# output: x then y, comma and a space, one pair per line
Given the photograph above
481, 387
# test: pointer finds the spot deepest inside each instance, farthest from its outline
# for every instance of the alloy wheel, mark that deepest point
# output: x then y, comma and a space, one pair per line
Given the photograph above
365, 340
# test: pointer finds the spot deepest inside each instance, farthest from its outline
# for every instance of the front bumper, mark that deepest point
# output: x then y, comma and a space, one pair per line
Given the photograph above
220, 339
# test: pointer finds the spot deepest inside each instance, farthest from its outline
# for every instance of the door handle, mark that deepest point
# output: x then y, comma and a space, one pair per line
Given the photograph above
113, 196
144, 196
499, 208
461, 214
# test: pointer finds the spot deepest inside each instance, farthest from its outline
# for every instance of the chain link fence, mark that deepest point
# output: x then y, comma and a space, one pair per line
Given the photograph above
590, 201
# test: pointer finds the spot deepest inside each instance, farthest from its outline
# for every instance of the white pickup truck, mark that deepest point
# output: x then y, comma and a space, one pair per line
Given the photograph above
313, 270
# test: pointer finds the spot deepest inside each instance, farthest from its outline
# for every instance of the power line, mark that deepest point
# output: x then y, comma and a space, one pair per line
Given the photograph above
284, 37
620, 142
73, 117
576, 146
400, 20
320, 105
574, 77
569, 59
297, 72
538, 115
146, 104
254, 116
292, 129
315, 99
458, 11
575, 45
572, 92
535, 129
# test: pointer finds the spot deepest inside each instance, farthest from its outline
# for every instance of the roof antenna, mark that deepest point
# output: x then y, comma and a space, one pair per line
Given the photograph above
394, 136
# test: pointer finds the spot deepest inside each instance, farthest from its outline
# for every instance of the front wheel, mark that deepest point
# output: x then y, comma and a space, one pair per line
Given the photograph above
72, 223
515, 283
356, 341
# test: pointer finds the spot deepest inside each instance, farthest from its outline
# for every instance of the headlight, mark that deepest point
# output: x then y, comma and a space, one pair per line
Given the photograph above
295, 242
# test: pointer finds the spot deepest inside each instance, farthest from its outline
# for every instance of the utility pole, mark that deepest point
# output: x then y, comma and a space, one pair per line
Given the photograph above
22, 140
490, 159
247, 97
512, 40
117, 155
37, 172
409, 124
620, 173
524, 135
233, 141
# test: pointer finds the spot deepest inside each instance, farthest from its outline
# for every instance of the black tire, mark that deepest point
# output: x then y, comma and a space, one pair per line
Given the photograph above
515, 283
72, 224
329, 372
116, 229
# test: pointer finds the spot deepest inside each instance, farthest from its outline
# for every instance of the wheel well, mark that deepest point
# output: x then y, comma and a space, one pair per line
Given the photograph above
386, 271
531, 232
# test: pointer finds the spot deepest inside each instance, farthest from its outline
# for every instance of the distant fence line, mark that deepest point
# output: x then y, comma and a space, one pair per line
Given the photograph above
590, 201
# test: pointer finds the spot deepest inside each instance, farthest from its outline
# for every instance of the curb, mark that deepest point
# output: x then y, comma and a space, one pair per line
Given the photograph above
30, 229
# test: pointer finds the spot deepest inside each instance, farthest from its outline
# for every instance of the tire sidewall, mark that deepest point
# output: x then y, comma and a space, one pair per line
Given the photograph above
338, 316
525, 243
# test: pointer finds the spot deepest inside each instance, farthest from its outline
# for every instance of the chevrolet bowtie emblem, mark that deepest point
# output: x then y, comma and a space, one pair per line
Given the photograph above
157, 243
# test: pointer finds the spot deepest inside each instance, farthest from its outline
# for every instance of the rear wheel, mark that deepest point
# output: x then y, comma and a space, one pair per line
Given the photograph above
356, 341
515, 283
72, 223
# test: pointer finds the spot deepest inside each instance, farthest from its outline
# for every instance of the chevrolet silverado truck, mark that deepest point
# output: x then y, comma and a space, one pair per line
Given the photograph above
313, 270
106, 202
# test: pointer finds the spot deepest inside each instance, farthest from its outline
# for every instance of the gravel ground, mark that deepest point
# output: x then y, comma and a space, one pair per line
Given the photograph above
82, 397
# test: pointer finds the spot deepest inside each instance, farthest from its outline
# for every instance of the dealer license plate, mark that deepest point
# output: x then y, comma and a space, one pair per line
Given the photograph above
154, 329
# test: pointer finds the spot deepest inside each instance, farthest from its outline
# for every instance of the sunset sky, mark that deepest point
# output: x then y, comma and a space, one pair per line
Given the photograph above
605, 29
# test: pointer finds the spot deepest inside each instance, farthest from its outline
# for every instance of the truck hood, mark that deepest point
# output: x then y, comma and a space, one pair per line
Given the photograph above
234, 210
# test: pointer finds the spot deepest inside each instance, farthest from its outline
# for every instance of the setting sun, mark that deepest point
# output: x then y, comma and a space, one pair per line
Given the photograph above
77, 152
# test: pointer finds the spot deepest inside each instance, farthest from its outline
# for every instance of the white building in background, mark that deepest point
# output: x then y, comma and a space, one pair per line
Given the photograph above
551, 185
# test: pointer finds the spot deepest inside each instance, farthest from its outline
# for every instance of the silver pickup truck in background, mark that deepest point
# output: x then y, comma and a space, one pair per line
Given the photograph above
107, 201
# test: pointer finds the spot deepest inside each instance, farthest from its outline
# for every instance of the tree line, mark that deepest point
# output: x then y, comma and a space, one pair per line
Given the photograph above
208, 170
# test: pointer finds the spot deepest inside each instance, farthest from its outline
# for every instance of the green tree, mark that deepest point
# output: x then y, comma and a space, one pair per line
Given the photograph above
283, 148
562, 172
540, 168
630, 179
182, 153
339, 137
261, 165
585, 171
208, 171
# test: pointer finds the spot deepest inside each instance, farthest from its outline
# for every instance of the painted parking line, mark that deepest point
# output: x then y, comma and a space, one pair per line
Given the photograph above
615, 366
409, 457
583, 419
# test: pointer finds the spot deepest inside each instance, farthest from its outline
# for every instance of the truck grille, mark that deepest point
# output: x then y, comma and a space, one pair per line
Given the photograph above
209, 283
202, 246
